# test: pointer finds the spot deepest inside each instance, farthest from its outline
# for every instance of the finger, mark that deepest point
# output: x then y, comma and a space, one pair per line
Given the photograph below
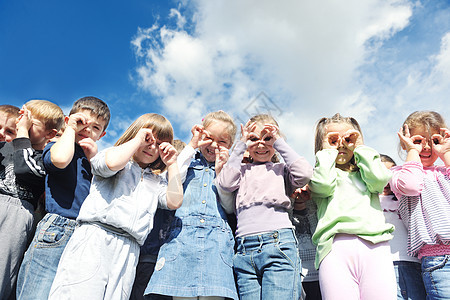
406, 131
204, 142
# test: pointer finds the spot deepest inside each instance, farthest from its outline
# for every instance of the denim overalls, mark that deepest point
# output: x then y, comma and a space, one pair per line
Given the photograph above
196, 259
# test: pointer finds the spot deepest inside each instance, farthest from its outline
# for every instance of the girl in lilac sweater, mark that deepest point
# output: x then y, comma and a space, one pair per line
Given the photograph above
423, 190
267, 262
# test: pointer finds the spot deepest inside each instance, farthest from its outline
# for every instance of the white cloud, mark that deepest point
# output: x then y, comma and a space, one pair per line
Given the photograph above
305, 55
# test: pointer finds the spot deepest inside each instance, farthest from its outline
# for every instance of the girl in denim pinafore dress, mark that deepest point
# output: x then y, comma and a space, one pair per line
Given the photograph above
196, 259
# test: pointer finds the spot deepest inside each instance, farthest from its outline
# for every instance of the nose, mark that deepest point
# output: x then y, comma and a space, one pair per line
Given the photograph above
2, 133
214, 144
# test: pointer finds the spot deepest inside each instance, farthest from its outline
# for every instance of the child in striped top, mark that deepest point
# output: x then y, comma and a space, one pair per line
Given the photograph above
423, 190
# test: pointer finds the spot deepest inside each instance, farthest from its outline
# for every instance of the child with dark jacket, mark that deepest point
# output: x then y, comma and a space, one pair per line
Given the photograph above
22, 178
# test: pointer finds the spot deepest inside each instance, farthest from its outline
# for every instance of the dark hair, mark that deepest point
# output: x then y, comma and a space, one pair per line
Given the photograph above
387, 158
95, 105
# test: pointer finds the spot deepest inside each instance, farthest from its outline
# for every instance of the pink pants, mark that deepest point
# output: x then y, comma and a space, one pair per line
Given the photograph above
357, 269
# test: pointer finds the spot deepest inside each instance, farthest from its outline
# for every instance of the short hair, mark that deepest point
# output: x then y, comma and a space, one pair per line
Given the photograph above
50, 114
321, 129
93, 104
10, 110
161, 129
222, 116
387, 158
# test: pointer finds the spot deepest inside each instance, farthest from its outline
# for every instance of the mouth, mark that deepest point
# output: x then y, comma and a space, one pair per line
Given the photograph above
428, 155
82, 136
262, 152
148, 154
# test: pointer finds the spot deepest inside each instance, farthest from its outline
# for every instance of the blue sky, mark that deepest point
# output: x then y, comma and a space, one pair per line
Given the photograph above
374, 60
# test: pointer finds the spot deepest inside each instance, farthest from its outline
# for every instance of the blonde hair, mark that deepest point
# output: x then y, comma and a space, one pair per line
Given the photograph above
161, 129
223, 117
50, 114
430, 120
10, 110
321, 130
265, 119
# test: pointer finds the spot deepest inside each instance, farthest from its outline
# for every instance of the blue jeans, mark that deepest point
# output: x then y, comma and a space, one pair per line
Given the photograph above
41, 260
409, 280
436, 276
267, 266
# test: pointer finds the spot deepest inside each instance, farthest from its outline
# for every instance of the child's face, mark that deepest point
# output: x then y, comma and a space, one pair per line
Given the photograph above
219, 136
344, 157
38, 134
147, 154
261, 150
95, 129
7, 127
427, 155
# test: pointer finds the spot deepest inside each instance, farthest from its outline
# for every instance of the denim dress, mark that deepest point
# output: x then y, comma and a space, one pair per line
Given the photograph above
196, 259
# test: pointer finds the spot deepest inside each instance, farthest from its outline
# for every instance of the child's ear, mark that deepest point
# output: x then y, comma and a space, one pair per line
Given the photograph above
66, 120
101, 135
51, 134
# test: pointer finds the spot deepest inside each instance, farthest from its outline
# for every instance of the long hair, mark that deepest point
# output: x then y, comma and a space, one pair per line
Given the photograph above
321, 130
161, 129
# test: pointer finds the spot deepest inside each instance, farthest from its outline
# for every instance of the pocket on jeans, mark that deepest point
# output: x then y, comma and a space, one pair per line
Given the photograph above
432, 263
227, 251
290, 252
53, 235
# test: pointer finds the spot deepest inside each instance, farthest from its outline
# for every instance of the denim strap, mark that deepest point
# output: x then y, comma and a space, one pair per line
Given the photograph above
46, 226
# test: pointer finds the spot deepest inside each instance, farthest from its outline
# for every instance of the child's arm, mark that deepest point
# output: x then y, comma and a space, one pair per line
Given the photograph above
441, 144
230, 176
299, 171
118, 157
63, 150
174, 194
226, 198
373, 172
408, 179
324, 178
28, 163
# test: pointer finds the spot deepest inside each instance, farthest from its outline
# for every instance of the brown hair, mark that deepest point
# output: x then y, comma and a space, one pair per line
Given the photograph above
161, 129
223, 117
10, 110
387, 158
430, 120
50, 114
427, 119
321, 130
95, 105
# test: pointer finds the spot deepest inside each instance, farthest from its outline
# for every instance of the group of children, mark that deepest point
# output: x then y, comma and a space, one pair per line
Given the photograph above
144, 220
